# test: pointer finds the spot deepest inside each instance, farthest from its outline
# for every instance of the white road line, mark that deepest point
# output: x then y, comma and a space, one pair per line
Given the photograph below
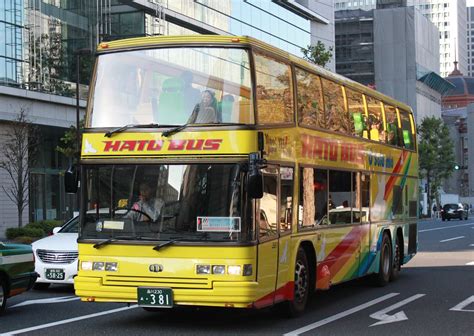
465, 303
446, 240
444, 227
470, 263
340, 315
74, 319
384, 318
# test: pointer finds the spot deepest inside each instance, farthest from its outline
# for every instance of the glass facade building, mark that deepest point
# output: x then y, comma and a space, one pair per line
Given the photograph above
39, 39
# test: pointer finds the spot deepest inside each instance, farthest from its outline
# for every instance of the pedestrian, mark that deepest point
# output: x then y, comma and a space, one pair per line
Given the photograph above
435, 209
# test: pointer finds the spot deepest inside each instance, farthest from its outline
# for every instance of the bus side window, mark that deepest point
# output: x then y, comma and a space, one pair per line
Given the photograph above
408, 138
375, 120
355, 106
392, 125
310, 99
268, 210
274, 91
337, 118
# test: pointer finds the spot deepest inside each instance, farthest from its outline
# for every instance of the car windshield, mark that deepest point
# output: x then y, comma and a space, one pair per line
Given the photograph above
202, 202
172, 86
72, 226
451, 206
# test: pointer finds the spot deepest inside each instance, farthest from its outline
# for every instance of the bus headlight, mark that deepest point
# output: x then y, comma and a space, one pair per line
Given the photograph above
86, 265
111, 266
234, 269
218, 269
98, 266
247, 270
203, 269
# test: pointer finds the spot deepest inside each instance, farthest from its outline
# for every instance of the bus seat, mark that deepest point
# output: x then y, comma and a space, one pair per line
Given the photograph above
171, 103
359, 124
226, 108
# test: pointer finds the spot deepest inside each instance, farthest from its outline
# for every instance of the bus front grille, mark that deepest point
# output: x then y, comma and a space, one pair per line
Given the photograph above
144, 281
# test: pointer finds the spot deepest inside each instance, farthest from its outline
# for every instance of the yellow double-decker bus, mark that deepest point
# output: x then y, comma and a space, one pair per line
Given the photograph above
221, 171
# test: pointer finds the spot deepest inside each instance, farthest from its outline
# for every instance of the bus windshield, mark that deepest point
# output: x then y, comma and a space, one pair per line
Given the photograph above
172, 86
195, 202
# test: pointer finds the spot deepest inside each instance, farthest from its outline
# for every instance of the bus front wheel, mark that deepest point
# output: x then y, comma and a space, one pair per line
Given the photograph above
385, 265
301, 286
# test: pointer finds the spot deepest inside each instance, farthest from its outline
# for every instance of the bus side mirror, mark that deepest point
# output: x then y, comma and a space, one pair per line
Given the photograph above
254, 177
71, 180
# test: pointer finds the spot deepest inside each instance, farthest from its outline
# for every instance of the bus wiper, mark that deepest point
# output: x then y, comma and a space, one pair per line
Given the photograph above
114, 239
126, 127
182, 127
175, 130
169, 242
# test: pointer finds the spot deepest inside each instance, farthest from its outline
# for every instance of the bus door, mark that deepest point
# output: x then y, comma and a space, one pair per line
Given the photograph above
285, 274
267, 232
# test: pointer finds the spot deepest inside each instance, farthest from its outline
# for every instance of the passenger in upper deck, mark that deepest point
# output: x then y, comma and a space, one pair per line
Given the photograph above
206, 111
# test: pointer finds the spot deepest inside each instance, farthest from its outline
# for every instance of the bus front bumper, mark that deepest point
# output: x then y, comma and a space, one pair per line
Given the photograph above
237, 294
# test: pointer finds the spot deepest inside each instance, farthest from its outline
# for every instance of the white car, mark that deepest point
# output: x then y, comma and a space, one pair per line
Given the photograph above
56, 256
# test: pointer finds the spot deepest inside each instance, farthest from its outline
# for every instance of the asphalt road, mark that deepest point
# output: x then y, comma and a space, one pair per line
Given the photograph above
433, 296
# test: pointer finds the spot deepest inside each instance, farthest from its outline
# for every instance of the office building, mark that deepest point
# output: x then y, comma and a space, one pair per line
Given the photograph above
39, 39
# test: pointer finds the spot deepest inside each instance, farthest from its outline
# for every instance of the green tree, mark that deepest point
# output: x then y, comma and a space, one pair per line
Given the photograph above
17, 156
436, 155
70, 147
317, 54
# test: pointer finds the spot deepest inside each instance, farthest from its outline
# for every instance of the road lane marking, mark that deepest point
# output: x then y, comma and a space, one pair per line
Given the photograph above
340, 315
74, 319
470, 263
446, 240
461, 305
444, 227
48, 300
384, 318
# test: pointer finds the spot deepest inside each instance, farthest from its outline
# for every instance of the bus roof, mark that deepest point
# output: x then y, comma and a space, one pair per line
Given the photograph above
144, 42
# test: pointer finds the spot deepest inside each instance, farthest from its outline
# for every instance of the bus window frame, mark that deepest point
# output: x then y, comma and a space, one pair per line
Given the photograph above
276, 236
253, 50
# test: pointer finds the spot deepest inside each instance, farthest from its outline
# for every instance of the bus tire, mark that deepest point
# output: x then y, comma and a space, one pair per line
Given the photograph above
297, 306
396, 263
385, 266
3, 294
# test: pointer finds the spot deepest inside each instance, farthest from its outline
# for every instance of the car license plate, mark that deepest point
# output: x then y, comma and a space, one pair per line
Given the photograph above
155, 297
54, 274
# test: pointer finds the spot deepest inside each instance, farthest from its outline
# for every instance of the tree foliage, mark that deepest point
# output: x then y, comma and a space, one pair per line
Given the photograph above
436, 155
16, 158
69, 146
317, 54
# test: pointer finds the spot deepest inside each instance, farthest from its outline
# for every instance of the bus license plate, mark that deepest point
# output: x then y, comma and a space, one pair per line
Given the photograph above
155, 297
54, 274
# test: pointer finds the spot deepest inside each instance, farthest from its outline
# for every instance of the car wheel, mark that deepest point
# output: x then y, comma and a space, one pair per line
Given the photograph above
3, 295
41, 285
385, 265
297, 306
396, 264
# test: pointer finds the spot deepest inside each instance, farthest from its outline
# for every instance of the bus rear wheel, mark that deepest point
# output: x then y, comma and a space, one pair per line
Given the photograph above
396, 266
385, 266
301, 288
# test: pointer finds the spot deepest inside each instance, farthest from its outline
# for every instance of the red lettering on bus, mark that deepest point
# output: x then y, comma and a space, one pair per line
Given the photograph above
154, 145
128, 145
111, 146
212, 144
177, 144
194, 144
141, 144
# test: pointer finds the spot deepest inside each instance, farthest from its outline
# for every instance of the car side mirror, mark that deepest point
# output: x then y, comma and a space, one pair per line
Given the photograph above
56, 229
71, 180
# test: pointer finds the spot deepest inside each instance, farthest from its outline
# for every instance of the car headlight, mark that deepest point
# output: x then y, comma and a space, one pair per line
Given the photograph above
86, 265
